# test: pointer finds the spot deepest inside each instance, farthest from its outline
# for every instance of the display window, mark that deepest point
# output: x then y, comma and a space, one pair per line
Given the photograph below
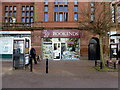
61, 48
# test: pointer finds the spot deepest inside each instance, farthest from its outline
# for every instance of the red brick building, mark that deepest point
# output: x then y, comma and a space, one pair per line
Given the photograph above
52, 28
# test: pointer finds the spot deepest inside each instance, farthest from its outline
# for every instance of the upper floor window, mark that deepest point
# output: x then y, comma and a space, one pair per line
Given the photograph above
60, 1
61, 8
75, 8
56, 8
75, 16
75, 2
118, 14
92, 4
46, 8
10, 12
65, 1
23, 8
31, 8
6, 14
27, 8
92, 10
45, 17
65, 8
62, 16
11, 8
92, 18
46, 2
14, 8
27, 14
113, 14
31, 14
6, 8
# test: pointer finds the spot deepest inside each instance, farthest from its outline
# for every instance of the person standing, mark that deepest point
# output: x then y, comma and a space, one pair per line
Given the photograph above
33, 55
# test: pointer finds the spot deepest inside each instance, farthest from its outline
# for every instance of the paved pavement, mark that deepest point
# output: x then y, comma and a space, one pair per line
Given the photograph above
62, 74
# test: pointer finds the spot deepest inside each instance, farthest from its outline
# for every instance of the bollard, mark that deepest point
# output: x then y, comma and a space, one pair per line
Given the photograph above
31, 64
114, 65
46, 65
100, 65
95, 63
107, 63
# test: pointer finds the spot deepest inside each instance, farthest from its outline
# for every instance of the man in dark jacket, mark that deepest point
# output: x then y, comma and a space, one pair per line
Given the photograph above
33, 55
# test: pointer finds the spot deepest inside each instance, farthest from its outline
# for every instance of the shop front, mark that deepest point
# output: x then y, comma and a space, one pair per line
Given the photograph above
61, 44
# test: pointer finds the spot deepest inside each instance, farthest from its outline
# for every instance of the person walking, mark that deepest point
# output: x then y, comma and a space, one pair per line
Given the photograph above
33, 55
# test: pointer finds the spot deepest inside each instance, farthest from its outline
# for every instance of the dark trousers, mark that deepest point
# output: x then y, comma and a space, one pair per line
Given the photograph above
33, 57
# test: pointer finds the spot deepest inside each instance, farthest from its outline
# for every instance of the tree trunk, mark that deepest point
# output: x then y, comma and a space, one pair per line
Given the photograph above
101, 51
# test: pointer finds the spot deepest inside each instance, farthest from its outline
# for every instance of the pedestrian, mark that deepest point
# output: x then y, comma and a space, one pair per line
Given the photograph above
33, 55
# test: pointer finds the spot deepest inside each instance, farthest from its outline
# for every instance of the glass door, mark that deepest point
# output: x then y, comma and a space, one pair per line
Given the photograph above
56, 50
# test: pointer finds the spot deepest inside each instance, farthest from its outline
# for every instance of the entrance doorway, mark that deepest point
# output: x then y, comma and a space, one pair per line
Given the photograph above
56, 50
94, 49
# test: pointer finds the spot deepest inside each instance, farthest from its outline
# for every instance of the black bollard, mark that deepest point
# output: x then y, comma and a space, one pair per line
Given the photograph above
31, 64
100, 65
114, 65
107, 63
95, 63
46, 65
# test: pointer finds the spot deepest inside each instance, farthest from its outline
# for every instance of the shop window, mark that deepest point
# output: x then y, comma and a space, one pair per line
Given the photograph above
46, 8
61, 48
65, 8
75, 8
75, 16
112, 40
45, 17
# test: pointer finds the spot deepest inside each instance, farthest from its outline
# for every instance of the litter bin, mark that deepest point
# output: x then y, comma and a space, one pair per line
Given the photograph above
18, 59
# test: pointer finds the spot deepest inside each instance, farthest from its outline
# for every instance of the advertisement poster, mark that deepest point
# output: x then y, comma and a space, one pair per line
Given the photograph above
6, 45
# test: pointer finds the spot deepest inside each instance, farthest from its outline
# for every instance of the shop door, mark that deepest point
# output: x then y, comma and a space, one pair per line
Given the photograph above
56, 50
